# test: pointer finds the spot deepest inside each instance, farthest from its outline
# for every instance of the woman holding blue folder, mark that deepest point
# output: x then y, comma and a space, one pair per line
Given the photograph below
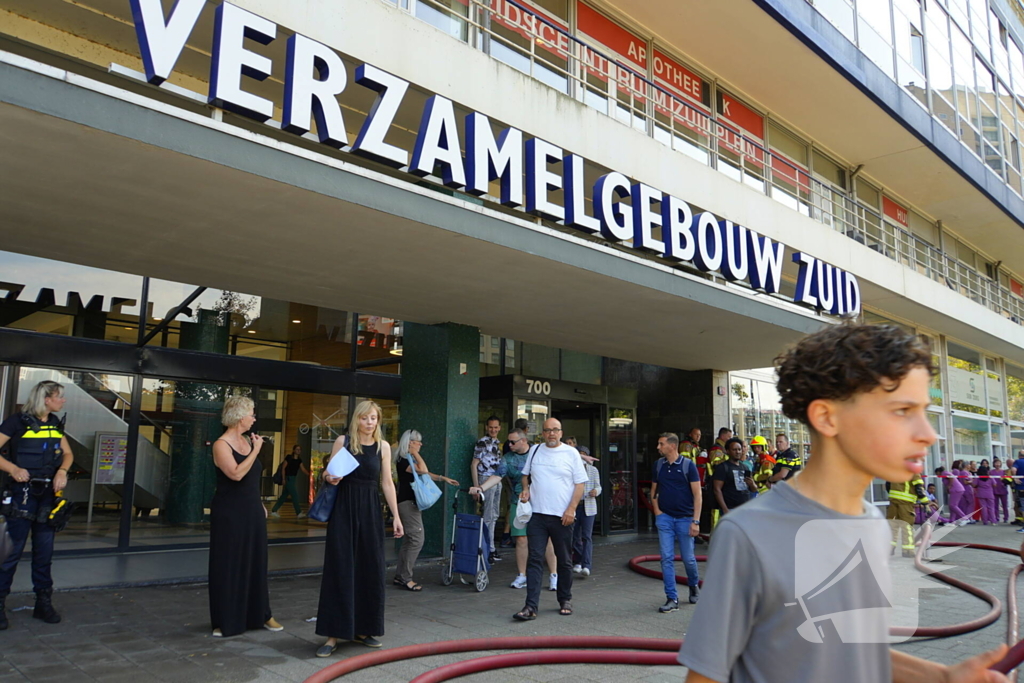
352, 586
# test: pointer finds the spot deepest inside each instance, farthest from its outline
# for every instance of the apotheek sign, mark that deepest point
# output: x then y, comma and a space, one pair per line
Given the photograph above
315, 75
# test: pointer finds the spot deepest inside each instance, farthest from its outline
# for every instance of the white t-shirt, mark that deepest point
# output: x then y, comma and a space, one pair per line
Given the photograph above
554, 473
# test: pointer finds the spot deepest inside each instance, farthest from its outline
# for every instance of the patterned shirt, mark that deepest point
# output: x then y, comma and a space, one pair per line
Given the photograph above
593, 483
488, 455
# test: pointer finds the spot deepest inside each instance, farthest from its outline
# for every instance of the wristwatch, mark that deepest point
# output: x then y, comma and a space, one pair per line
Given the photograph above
694, 521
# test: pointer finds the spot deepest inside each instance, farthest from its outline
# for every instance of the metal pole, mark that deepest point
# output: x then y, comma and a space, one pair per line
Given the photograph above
131, 455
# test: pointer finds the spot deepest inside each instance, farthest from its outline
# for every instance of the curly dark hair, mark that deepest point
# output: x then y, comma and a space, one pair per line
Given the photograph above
843, 360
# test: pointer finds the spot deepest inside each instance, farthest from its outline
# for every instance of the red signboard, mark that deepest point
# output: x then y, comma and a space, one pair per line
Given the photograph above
742, 116
611, 35
1016, 287
671, 74
894, 211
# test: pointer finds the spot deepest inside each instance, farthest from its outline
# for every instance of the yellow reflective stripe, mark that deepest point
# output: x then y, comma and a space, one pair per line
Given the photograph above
900, 495
46, 434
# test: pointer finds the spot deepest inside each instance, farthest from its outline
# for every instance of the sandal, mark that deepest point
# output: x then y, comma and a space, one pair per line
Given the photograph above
566, 609
412, 586
525, 614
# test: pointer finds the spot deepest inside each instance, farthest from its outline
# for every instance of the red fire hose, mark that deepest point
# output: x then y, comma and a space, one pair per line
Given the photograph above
334, 671
472, 666
660, 651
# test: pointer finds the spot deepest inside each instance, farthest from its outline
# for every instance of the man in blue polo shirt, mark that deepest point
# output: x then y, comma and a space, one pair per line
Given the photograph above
675, 493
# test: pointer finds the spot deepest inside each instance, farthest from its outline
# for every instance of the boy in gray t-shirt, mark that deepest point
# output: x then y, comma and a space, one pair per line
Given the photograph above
797, 586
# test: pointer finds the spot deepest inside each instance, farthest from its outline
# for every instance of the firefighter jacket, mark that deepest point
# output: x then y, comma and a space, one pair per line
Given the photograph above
764, 471
909, 491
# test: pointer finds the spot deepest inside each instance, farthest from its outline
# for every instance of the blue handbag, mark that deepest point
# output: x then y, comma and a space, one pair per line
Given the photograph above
426, 491
323, 504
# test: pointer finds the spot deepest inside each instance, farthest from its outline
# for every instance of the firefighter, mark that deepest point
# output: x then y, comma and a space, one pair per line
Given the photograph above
690, 448
900, 512
765, 464
716, 456
37, 464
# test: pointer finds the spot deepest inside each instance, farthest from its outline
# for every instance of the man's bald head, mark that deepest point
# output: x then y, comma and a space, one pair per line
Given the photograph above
552, 432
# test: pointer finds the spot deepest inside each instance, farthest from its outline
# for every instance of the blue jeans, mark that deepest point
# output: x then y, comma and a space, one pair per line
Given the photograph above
42, 542
583, 539
671, 529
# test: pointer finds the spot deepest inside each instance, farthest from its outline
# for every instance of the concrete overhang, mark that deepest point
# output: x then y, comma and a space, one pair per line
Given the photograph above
102, 177
789, 59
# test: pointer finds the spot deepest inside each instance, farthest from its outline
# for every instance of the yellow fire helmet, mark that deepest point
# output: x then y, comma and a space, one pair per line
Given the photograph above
759, 441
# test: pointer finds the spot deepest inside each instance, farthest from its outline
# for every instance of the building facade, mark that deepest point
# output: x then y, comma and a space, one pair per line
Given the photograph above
604, 211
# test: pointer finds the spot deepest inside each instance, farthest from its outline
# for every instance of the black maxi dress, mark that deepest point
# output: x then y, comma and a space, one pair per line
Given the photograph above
239, 595
352, 587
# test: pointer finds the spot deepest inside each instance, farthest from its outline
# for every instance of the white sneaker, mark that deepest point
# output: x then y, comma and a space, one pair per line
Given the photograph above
300, 515
553, 584
275, 515
520, 581
585, 571
577, 569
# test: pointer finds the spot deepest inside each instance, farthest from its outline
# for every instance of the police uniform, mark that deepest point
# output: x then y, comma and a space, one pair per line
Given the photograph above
900, 512
790, 460
34, 446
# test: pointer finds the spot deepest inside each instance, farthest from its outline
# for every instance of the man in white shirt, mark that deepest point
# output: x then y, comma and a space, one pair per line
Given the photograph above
553, 481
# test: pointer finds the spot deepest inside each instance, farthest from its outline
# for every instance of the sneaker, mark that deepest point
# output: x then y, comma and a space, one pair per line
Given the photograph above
494, 557
273, 625
585, 571
275, 515
1021, 530
669, 606
300, 515
577, 569
694, 594
553, 584
520, 581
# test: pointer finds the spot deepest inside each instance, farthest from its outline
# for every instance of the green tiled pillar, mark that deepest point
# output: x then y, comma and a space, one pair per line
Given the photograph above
440, 395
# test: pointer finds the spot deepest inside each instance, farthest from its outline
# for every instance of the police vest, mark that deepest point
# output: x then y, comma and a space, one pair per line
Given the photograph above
39, 447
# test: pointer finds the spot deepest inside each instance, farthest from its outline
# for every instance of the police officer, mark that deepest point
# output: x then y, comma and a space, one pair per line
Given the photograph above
37, 463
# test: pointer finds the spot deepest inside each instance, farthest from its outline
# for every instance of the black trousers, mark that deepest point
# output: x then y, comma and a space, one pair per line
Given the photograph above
538, 531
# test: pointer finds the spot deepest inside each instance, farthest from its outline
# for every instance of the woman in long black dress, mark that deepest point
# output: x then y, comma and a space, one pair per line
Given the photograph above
239, 596
352, 587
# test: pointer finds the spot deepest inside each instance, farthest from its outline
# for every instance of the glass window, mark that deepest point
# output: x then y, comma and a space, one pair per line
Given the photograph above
966, 379
175, 475
55, 297
841, 15
527, 43
1015, 392
994, 387
97, 431
970, 438
621, 465
935, 390
379, 340
581, 367
537, 360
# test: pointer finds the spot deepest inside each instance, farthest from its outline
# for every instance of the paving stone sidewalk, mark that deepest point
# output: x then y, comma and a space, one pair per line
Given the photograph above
161, 633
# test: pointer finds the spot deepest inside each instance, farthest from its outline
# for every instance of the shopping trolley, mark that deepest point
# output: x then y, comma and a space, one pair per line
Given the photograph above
467, 554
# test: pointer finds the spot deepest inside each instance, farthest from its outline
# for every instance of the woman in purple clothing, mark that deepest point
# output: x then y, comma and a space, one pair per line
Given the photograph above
986, 495
954, 493
1002, 493
967, 479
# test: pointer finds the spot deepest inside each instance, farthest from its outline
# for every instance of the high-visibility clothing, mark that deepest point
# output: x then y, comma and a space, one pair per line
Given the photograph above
909, 491
764, 471
38, 448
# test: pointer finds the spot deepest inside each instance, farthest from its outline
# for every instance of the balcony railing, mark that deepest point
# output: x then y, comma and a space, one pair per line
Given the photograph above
541, 48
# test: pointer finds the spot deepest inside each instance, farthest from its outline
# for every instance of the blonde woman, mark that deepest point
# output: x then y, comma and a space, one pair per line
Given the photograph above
352, 587
412, 520
38, 464
239, 596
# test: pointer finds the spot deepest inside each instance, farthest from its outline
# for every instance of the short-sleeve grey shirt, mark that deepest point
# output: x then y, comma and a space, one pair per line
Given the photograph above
745, 626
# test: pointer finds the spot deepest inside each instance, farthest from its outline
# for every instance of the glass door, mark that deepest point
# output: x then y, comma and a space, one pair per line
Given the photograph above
621, 470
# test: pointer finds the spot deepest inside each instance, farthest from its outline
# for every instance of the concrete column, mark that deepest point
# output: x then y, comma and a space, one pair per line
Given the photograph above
440, 399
